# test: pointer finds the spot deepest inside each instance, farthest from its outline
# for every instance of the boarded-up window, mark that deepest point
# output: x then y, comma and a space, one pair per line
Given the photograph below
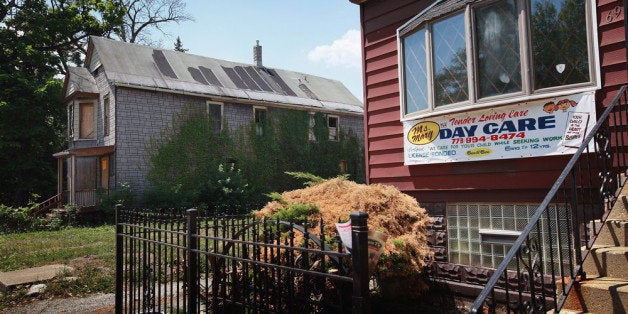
86, 170
86, 111
105, 117
104, 172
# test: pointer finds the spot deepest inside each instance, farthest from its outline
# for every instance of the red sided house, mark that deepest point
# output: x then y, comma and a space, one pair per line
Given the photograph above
476, 108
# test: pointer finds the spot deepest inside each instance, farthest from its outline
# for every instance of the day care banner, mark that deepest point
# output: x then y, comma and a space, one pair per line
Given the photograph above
536, 128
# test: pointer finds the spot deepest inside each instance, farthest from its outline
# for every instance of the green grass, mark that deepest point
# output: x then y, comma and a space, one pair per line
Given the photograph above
90, 251
24, 250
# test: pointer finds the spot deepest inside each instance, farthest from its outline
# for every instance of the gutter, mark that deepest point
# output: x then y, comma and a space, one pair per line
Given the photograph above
238, 100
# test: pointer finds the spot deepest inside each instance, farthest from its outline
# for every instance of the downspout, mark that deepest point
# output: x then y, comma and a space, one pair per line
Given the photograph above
115, 137
367, 167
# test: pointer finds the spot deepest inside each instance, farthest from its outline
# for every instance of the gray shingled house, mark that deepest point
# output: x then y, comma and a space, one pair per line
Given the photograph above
129, 93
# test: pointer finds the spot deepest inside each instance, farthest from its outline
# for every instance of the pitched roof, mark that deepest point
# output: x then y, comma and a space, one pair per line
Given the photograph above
147, 67
79, 82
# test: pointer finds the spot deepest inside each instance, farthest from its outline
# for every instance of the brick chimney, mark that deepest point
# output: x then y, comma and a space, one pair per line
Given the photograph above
257, 54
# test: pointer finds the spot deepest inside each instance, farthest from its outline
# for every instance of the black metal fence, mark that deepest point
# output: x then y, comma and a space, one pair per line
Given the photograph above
174, 261
546, 260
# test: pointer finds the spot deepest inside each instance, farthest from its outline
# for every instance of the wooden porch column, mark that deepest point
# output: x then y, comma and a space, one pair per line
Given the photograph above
60, 179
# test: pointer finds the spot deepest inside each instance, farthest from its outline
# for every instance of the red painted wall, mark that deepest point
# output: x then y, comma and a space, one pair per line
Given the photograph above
516, 180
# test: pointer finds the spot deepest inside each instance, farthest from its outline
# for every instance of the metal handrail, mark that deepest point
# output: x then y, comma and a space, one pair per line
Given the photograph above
46, 205
536, 300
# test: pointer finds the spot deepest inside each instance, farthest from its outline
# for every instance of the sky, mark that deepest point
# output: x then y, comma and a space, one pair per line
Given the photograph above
319, 37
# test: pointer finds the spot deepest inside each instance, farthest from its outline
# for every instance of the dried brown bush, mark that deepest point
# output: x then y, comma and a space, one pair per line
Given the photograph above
389, 210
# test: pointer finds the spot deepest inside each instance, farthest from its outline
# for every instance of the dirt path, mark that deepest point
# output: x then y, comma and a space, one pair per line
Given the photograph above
97, 303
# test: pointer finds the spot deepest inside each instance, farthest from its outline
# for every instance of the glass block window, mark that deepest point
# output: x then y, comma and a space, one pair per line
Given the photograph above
482, 234
485, 52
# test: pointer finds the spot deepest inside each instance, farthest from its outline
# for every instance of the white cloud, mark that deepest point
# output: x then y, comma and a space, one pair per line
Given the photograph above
342, 52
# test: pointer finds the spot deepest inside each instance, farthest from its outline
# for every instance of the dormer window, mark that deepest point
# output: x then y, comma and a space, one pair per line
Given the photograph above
468, 54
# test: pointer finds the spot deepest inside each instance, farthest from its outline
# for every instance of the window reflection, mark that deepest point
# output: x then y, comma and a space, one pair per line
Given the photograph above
499, 66
559, 39
450, 61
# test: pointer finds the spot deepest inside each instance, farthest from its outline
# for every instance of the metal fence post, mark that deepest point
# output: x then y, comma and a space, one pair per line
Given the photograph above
119, 261
359, 258
192, 264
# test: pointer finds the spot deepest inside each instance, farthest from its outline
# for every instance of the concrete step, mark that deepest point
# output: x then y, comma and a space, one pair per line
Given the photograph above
601, 295
614, 233
619, 211
30, 275
607, 261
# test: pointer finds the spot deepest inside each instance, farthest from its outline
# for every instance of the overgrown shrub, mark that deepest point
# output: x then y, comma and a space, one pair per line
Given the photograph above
186, 161
228, 191
108, 199
15, 219
18, 219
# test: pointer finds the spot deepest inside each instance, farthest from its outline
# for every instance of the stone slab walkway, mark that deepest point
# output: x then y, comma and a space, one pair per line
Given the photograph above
30, 275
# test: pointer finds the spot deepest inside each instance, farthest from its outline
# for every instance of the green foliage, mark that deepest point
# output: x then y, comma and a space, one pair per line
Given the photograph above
190, 168
15, 219
227, 191
178, 45
23, 250
276, 196
286, 147
309, 178
297, 213
188, 162
108, 199
91, 251
18, 219
90, 279
398, 243
39, 38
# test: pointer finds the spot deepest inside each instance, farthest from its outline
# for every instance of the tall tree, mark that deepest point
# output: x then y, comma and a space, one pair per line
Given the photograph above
38, 39
178, 45
144, 16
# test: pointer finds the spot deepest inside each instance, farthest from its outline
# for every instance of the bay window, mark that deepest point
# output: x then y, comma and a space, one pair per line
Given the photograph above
465, 54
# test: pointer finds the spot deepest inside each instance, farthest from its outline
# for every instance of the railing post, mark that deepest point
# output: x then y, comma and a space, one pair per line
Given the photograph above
577, 220
192, 264
359, 258
119, 261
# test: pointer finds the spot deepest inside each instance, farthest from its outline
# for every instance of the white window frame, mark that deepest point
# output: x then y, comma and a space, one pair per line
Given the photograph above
337, 128
474, 103
209, 103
